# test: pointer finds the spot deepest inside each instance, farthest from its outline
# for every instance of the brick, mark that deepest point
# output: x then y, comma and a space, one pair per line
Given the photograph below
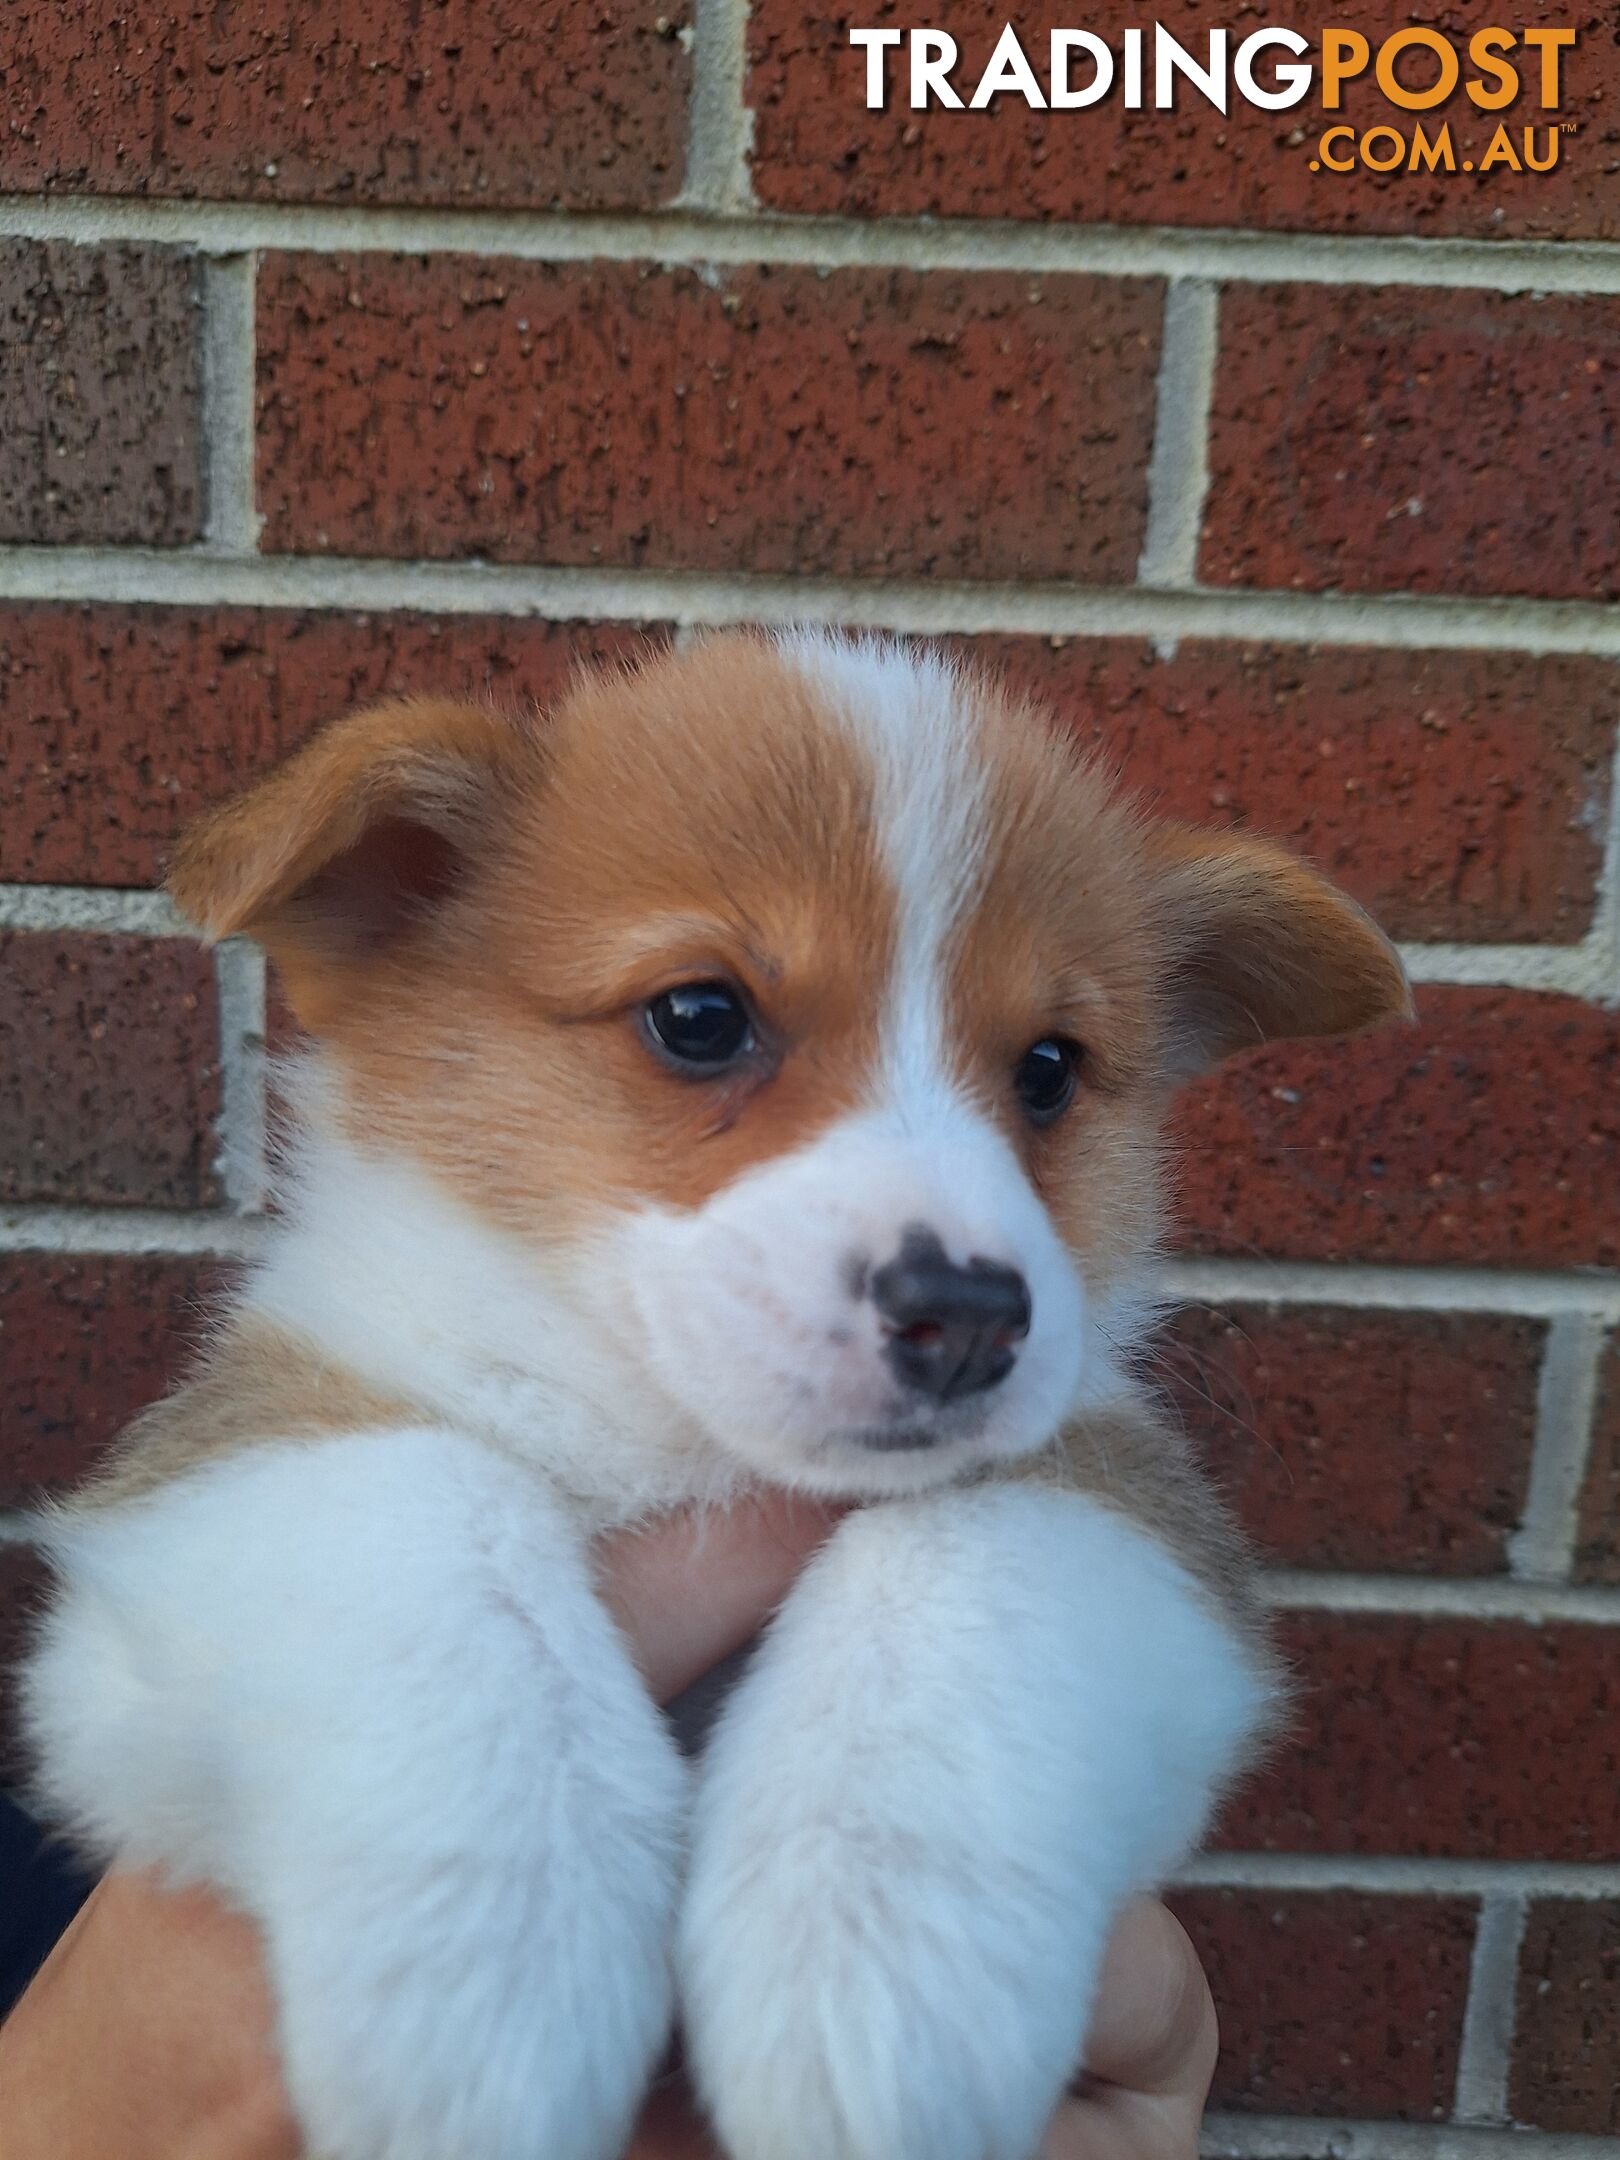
1406, 440
455, 101
862, 422
1597, 1555
1430, 1736
100, 381
818, 149
86, 1340
109, 1085
1566, 2058
1456, 794
1389, 1441
129, 720
1489, 1132
1334, 2003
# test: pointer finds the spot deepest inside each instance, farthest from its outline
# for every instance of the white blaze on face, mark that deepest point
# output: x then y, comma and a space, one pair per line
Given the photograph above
906, 715
757, 1308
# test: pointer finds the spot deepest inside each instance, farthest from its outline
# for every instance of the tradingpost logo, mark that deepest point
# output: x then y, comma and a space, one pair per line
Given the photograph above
1412, 72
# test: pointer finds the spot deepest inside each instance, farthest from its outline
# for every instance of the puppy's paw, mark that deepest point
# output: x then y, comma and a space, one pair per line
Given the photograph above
978, 1723
847, 2000
481, 2032
367, 1689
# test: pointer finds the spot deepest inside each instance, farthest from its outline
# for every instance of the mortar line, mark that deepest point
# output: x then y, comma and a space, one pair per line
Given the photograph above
720, 125
1178, 470
1585, 970
922, 607
132, 1231
1572, 968
1251, 1280
1429, 1597
51, 1227
1414, 1597
1605, 933
228, 402
1400, 1875
242, 1161
1290, 2137
1542, 1549
117, 910
1485, 2056
1219, 253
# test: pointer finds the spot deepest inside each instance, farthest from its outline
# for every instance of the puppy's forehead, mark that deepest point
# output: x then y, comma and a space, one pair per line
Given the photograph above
810, 755
854, 810
918, 729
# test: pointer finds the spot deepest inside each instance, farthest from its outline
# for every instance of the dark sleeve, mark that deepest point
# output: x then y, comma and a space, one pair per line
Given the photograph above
41, 1888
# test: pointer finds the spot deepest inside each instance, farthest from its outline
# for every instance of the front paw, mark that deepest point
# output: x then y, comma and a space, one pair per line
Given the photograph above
471, 2018
845, 1999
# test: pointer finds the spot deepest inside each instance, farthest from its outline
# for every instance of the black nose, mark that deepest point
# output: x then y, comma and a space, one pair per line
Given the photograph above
952, 1330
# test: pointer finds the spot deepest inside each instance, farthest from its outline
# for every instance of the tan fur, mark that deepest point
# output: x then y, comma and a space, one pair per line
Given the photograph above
1260, 946
254, 1384
657, 831
1132, 1458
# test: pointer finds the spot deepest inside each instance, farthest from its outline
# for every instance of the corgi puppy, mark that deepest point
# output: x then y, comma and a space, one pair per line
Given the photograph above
749, 1073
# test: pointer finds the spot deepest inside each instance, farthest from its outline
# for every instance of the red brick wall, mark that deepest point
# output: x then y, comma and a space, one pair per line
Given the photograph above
342, 355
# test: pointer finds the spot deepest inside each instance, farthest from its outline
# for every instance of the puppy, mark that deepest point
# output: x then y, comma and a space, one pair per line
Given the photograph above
750, 1073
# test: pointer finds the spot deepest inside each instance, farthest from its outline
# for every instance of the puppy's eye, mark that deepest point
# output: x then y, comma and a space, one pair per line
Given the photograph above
1045, 1077
701, 1025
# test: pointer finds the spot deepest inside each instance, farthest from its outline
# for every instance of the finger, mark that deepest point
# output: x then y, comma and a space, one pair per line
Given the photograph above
1081, 2131
691, 1587
1151, 2052
1124, 2126
1154, 2030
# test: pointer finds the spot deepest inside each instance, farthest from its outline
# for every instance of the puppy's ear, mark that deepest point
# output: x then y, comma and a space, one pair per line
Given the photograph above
353, 841
1261, 947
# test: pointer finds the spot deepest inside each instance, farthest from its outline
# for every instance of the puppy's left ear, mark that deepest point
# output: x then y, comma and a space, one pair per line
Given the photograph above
1260, 947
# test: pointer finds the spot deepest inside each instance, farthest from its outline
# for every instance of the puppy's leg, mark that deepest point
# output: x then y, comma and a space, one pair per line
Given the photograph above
364, 1687
981, 1720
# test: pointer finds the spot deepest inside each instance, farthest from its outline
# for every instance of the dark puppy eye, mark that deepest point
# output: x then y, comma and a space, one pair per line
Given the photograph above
701, 1026
1045, 1077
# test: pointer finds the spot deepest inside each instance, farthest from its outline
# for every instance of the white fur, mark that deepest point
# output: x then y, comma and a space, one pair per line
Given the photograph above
906, 711
981, 1721
395, 1279
364, 1687
753, 1322
740, 1351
